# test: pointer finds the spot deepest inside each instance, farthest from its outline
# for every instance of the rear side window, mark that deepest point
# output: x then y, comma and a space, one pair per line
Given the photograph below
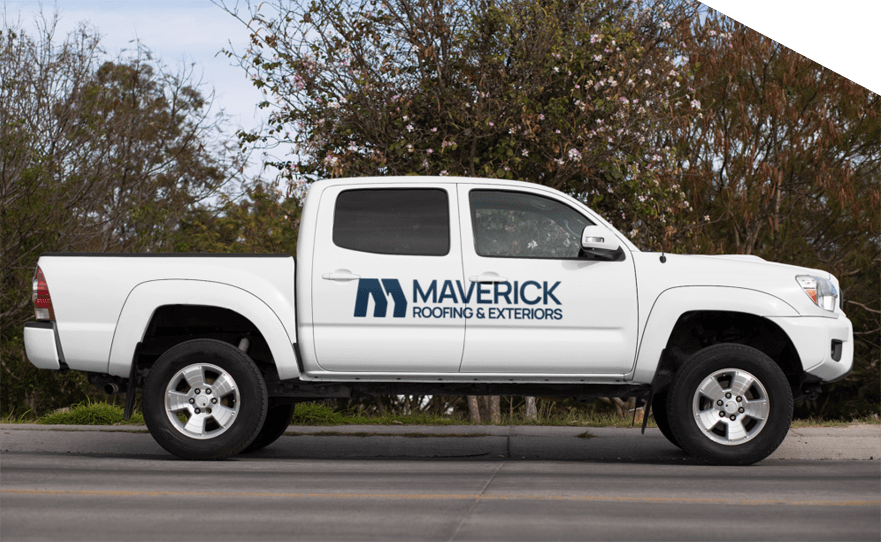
412, 222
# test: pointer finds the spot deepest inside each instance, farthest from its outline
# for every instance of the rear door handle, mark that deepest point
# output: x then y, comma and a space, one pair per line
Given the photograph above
487, 278
341, 275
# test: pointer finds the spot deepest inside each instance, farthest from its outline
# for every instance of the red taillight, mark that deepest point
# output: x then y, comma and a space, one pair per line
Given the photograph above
42, 300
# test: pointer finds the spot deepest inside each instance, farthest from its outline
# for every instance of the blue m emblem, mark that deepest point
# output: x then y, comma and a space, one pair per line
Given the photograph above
371, 288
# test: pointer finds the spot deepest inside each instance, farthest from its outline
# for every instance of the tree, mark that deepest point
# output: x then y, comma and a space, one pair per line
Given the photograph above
579, 96
95, 155
262, 220
786, 162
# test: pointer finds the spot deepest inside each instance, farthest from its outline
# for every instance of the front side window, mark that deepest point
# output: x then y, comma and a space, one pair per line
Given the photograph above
393, 221
520, 225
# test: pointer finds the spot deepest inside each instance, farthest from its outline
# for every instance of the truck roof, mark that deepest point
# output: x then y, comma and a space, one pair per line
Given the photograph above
433, 179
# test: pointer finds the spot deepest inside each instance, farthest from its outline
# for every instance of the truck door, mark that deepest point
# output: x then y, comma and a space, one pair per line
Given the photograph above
538, 307
378, 270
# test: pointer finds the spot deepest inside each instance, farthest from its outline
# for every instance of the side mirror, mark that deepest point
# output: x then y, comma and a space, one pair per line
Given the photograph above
599, 240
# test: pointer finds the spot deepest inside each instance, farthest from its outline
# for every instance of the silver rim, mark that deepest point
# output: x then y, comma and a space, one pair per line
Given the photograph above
731, 406
202, 401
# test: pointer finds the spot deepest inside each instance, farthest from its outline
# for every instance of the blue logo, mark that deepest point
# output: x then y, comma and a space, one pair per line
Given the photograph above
368, 288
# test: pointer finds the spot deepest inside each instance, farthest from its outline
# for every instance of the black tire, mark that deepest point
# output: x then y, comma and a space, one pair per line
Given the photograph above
278, 418
193, 423
659, 412
770, 399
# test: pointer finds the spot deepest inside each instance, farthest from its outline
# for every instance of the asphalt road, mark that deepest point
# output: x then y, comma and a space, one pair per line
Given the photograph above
527, 485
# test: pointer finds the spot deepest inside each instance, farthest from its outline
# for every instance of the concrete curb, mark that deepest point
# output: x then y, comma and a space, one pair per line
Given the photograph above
100, 428
855, 442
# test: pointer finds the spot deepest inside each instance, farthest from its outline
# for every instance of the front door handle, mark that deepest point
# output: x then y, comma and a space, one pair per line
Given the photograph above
487, 278
341, 275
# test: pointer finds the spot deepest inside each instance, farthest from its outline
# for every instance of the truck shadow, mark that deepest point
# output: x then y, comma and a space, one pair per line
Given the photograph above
630, 449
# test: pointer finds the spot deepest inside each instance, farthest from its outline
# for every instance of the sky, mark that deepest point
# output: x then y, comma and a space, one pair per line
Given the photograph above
177, 32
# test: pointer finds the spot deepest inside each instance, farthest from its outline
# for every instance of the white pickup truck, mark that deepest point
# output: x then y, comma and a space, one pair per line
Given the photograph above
452, 286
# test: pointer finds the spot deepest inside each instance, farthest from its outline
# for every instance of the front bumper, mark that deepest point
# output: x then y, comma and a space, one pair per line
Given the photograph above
42, 346
819, 341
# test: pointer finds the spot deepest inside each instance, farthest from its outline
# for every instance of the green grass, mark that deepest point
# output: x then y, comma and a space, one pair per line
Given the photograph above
322, 414
89, 413
816, 422
25, 417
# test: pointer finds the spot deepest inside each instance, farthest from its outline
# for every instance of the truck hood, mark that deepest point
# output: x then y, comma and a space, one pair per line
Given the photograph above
727, 270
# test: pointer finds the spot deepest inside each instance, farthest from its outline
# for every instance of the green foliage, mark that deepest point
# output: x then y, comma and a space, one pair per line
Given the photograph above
28, 389
96, 155
787, 163
89, 413
24, 417
550, 412
317, 414
261, 220
321, 413
579, 96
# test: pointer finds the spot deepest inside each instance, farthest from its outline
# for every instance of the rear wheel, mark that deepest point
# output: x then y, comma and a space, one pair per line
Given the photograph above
278, 418
204, 399
730, 404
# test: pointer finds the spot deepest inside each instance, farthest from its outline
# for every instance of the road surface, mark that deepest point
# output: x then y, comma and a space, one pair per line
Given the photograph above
467, 483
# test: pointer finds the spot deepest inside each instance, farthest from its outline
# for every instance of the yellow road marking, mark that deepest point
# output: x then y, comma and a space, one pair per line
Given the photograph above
436, 496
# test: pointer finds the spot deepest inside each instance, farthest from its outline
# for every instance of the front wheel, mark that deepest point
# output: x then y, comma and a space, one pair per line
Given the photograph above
729, 404
204, 399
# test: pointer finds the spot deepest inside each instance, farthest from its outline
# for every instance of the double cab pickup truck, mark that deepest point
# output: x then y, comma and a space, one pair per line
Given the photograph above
453, 286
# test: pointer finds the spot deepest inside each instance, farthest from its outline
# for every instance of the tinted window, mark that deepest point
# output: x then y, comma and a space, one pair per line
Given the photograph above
393, 221
520, 225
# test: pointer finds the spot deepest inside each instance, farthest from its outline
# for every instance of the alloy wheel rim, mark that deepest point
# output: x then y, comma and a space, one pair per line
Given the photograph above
731, 406
202, 401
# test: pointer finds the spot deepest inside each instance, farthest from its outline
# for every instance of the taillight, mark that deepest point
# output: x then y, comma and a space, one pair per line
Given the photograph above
42, 300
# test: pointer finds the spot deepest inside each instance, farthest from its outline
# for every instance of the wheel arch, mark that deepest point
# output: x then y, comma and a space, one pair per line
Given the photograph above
685, 320
223, 308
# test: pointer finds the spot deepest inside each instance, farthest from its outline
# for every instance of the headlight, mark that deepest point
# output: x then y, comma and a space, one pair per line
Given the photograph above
821, 291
